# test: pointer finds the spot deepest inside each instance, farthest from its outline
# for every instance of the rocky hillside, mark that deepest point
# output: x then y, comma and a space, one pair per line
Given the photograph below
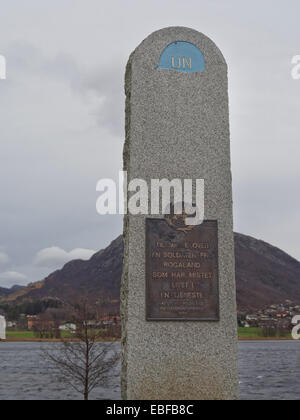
97, 278
4, 292
264, 275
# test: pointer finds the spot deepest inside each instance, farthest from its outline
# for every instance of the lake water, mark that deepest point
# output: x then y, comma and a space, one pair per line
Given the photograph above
268, 370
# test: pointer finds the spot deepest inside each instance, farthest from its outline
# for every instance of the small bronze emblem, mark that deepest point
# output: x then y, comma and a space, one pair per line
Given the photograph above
179, 221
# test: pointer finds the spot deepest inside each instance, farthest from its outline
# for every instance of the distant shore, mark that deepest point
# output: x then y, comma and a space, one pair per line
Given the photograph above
244, 334
265, 339
258, 334
50, 340
104, 339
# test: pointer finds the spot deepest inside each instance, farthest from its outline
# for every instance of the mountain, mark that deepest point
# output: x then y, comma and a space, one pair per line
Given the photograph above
264, 275
98, 277
6, 292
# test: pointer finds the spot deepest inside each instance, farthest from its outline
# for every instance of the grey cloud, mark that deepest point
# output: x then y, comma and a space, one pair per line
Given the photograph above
62, 116
55, 257
11, 278
4, 258
106, 83
100, 87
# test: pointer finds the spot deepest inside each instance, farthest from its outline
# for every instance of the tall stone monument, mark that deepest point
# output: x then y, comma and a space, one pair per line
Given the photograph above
178, 300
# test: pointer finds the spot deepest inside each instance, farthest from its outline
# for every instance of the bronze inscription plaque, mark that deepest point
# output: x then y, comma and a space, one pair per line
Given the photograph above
181, 271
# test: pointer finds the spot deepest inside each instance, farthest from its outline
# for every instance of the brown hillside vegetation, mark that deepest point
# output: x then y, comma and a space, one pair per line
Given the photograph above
264, 275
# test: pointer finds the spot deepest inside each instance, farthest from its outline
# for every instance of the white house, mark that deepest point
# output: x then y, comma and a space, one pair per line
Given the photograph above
2, 328
68, 327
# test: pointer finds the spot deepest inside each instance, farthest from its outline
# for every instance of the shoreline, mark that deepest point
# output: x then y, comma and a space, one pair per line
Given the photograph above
110, 339
52, 340
266, 339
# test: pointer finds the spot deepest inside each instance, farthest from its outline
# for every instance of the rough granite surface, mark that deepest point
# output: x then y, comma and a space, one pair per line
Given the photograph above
177, 126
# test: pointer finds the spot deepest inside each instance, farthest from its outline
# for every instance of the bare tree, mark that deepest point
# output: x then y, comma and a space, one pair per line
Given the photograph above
44, 326
82, 362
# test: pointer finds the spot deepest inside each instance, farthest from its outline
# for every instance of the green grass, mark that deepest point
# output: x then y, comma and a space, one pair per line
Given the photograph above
242, 332
27, 335
20, 334
250, 332
256, 333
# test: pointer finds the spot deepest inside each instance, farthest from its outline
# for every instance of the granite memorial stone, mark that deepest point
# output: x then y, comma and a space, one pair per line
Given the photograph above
178, 301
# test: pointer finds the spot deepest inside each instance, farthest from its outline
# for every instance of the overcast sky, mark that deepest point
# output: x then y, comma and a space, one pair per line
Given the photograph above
62, 113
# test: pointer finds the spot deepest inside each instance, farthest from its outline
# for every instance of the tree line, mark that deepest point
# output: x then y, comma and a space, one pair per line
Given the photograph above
37, 307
